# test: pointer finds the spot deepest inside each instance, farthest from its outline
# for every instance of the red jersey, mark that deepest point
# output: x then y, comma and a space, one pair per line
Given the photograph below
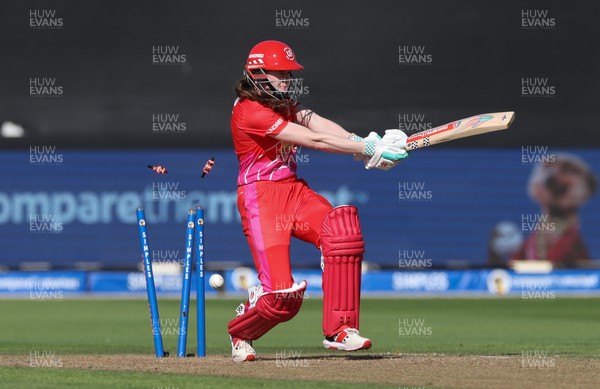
261, 157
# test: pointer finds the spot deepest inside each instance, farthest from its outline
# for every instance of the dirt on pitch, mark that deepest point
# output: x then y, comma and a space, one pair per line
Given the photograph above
395, 370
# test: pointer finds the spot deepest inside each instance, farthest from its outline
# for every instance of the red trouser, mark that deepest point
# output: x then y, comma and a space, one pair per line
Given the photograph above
272, 212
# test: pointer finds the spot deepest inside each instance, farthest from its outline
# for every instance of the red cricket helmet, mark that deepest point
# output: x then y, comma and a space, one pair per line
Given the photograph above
276, 56
272, 55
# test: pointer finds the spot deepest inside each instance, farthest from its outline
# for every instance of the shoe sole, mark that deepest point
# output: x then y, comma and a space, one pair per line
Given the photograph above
249, 358
340, 346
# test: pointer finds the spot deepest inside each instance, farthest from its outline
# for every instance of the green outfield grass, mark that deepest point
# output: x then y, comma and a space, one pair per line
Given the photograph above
565, 327
59, 378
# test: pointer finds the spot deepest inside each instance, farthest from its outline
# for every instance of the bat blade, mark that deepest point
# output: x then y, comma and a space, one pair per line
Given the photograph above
471, 126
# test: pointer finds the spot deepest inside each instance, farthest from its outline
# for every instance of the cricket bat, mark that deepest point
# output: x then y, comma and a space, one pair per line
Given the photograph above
474, 125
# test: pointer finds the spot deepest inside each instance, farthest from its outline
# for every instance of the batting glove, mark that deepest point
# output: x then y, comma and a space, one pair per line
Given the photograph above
382, 155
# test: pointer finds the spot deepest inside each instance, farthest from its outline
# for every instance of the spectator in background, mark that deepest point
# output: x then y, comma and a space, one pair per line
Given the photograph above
561, 188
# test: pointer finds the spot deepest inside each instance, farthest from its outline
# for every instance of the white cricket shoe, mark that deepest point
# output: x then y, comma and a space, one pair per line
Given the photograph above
242, 351
347, 340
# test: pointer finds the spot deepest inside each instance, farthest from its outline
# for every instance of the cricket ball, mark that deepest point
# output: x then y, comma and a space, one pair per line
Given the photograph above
216, 281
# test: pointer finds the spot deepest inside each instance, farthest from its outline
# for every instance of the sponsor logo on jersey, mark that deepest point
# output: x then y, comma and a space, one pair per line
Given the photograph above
275, 125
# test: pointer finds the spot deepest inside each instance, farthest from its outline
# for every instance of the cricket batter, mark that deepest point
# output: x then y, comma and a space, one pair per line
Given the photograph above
267, 125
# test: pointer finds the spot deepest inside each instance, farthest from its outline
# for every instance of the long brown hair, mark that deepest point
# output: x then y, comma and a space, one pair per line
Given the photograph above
245, 90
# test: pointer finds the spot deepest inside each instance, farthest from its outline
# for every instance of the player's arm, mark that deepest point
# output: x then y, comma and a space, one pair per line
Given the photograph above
376, 149
319, 124
323, 141
310, 119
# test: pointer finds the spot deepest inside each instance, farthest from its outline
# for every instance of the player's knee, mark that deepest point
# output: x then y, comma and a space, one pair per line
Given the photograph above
270, 309
281, 306
341, 233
